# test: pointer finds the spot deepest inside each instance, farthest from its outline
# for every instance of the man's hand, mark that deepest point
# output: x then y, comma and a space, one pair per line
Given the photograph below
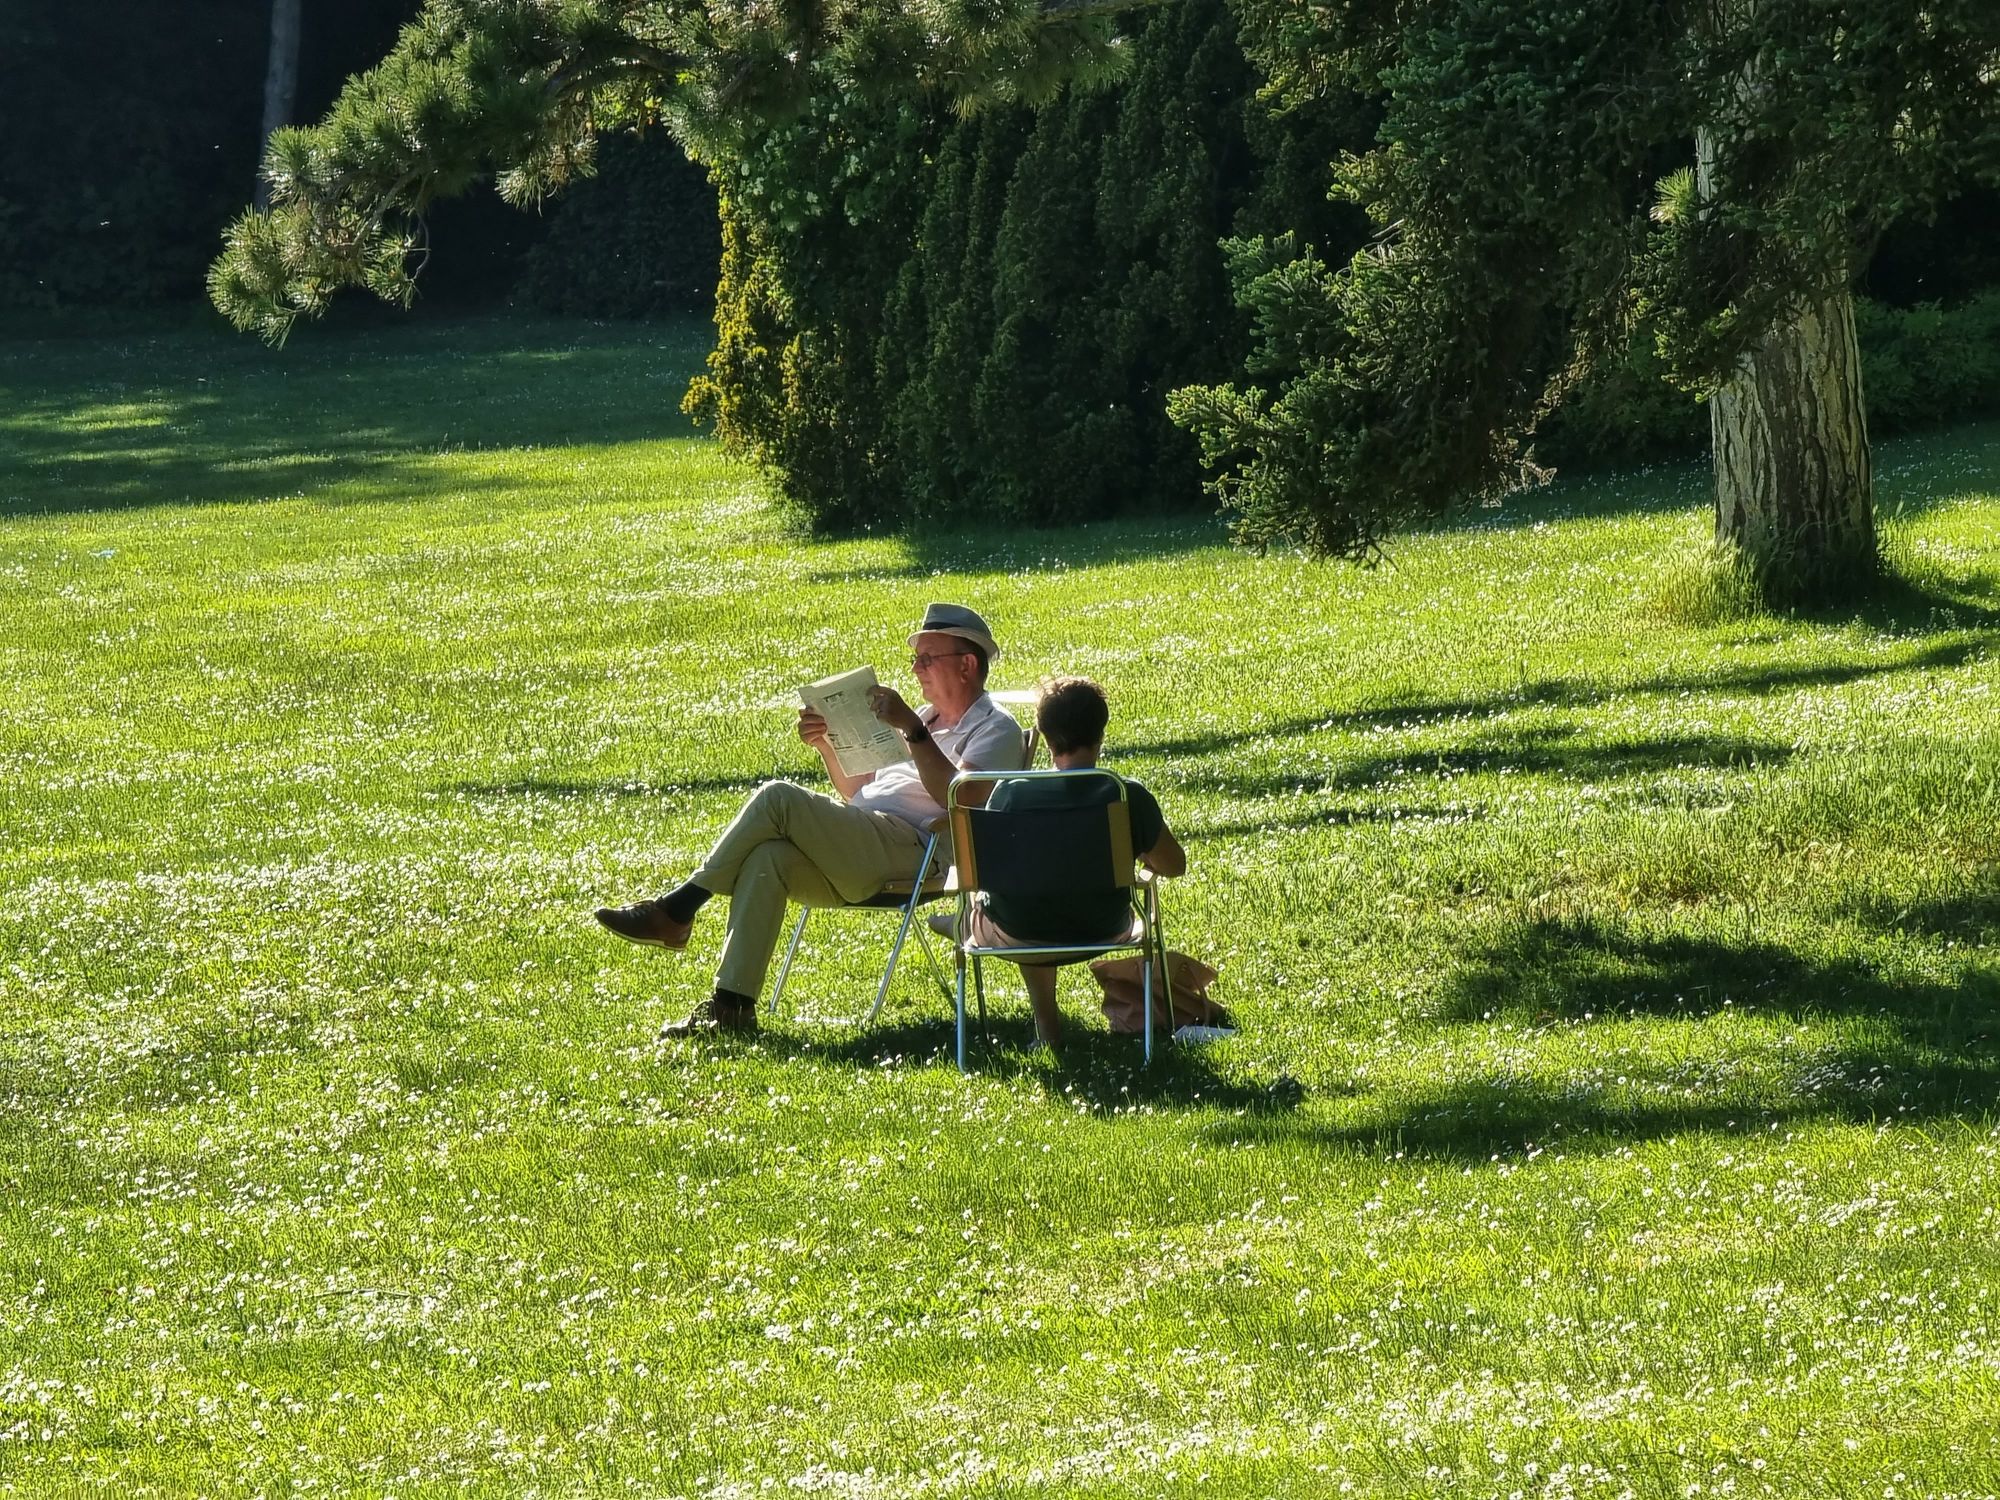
812, 728
887, 705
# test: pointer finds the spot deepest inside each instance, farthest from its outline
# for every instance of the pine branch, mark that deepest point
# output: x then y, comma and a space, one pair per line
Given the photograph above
516, 89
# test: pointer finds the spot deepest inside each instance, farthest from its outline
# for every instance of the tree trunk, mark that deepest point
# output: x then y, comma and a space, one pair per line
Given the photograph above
1793, 486
1794, 494
281, 81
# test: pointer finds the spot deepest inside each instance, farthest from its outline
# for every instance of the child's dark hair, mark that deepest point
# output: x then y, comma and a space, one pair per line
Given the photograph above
1071, 713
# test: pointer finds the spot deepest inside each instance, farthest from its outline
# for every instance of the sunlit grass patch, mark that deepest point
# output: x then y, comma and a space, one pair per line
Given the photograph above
1613, 1110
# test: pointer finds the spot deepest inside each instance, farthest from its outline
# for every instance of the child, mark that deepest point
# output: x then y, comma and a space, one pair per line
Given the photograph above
1071, 715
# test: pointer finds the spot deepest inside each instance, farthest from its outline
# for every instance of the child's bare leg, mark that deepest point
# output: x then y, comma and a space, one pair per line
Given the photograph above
1041, 982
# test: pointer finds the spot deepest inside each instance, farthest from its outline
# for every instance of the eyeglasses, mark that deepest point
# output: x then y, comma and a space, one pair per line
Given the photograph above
919, 662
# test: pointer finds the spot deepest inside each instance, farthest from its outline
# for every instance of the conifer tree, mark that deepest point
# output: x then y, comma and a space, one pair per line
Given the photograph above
1041, 390
934, 345
1066, 275
520, 90
1549, 175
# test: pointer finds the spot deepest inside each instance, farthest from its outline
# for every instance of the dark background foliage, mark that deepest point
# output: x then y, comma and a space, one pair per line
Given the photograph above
638, 240
918, 316
997, 307
125, 148
131, 140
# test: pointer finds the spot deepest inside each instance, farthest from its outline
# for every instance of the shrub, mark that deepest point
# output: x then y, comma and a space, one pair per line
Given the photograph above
993, 332
1928, 364
1919, 366
816, 215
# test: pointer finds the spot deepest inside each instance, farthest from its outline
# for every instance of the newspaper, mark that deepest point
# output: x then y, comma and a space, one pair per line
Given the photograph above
861, 742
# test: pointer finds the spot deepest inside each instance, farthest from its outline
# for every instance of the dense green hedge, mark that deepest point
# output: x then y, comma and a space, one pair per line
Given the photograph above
984, 318
1919, 366
1928, 364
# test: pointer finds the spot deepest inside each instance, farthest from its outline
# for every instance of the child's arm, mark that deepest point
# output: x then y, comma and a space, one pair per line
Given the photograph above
1166, 857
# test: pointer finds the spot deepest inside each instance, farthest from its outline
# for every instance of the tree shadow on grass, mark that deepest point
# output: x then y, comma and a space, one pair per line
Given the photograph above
1409, 713
1903, 605
1559, 693
1929, 1053
1408, 814
1483, 1119
1542, 752
206, 419
1970, 915
1564, 969
982, 551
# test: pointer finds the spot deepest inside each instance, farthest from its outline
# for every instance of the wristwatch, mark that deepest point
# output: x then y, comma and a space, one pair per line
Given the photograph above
915, 737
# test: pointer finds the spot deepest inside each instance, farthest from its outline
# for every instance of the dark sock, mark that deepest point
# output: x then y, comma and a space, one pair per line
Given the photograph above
684, 901
730, 1000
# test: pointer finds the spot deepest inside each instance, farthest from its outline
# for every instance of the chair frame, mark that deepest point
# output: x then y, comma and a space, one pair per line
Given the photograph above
923, 888
905, 896
1143, 891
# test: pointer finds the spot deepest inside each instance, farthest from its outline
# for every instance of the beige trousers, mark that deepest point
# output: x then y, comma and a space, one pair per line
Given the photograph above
789, 844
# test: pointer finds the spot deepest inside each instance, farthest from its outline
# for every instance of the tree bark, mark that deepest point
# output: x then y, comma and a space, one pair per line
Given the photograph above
1794, 489
281, 81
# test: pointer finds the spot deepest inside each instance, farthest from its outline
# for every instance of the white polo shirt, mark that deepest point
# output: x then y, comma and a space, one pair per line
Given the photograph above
986, 738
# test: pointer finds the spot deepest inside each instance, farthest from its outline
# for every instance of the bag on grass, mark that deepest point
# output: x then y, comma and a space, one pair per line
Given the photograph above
1123, 979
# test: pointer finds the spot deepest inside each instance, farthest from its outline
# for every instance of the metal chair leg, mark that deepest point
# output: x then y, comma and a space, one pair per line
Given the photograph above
791, 951
1156, 952
903, 928
1146, 993
930, 957
961, 1015
889, 970
909, 910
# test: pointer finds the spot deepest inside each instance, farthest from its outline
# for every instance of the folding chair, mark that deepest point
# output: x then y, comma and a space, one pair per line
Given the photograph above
927, 885
930, 883
1073, 852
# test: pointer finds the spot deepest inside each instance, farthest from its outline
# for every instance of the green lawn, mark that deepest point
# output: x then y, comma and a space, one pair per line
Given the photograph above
1614, 1111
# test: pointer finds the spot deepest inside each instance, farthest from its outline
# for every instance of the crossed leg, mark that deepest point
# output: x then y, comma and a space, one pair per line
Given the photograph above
789, 844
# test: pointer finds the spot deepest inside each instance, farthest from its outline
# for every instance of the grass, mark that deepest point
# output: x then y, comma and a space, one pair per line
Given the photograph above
1614, 1111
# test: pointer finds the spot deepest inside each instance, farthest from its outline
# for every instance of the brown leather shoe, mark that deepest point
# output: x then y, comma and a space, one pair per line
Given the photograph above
646, 922
715, 1014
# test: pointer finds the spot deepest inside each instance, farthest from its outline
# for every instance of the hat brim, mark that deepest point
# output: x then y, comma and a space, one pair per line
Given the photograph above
979, 638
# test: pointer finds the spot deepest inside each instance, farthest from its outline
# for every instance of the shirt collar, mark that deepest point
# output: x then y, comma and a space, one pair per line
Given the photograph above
978, 708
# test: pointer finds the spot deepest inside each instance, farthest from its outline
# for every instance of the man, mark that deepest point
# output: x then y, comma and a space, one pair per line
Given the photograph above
789, 844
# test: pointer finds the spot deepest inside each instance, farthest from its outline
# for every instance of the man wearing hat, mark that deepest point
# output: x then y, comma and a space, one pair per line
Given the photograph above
790, 844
